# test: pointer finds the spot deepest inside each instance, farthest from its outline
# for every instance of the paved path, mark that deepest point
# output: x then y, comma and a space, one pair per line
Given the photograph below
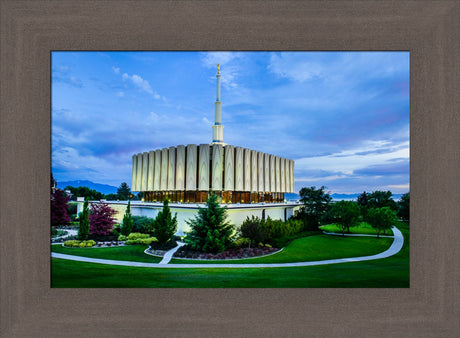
168, 255
355, 235
393, 249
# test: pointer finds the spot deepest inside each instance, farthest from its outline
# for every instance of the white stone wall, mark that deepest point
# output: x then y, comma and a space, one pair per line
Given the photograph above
288, 175
277, 175
203, 167
229, 172
180, 168
272, 174
254, 171
191, 168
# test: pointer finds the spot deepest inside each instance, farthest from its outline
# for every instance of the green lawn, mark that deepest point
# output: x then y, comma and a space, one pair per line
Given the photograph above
312, 248
363, 228
388, 272
121, 253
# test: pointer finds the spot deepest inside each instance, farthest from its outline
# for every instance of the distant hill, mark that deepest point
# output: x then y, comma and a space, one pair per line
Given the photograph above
337, 197
103, 188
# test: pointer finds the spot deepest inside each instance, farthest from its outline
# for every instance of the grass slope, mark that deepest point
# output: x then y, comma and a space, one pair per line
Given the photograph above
388, 272
363, 228
312, 248
121, 253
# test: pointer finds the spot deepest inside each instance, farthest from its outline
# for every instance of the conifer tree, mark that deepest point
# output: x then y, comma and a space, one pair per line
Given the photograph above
83, 230
164, 225
128, 222
210, 231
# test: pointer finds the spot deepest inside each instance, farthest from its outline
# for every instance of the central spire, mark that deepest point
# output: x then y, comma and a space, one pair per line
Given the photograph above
218, 128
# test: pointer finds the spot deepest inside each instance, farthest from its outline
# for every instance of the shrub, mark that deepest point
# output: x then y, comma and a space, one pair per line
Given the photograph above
79, 244
122, 238
59, 206
142, 224
242, 242
253, 228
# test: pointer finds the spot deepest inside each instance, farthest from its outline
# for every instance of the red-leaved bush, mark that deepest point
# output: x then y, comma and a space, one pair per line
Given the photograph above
101, 219
59, 206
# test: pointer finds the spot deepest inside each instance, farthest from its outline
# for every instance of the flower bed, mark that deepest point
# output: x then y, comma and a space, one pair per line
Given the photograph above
236, 253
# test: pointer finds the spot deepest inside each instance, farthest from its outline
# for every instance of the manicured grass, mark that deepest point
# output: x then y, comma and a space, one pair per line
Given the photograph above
363, 228
121, 253
388, 272
312, 248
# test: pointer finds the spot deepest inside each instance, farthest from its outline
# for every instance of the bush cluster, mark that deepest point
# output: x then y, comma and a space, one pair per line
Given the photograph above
273, 232
79, 244
137, 238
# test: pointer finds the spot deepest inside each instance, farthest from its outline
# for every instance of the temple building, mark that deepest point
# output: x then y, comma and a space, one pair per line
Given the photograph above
188, 173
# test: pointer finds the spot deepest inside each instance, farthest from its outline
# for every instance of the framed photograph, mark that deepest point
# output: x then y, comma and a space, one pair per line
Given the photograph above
33, 33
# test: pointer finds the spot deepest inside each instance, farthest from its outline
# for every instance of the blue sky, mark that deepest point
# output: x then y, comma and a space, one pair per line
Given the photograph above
342, 116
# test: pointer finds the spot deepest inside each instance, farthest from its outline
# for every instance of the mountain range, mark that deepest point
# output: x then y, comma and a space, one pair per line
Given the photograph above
109, 189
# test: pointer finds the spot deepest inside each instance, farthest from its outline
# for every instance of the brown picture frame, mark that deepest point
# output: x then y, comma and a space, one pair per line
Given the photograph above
31, 29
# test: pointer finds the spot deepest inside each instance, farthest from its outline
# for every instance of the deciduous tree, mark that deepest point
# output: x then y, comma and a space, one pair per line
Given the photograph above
59, 206
101, 219
316, 203
380, 199
381, 219
403, 207
345, 214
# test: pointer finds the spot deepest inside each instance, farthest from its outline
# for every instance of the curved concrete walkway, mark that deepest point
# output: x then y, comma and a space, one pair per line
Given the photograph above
168, 255
395, 247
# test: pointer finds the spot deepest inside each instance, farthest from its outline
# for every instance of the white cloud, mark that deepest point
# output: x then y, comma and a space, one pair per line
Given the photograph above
205, 120
348, 161
116, 70
120, 94
399, 186
283, 66
142, 84
229, 70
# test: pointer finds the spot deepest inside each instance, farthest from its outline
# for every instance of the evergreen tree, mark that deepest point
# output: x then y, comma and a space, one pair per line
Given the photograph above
101, 219
59, 206
210, 231
363, 202
164, 225
123, 191
83, 230
127, 224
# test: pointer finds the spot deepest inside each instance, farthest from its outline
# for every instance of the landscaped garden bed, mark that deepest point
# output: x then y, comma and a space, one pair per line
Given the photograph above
234, 253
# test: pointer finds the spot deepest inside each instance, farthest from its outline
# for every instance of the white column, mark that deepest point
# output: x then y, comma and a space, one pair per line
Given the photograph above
217, 166
133, 178
239, 169
254, 171
266, 172
145, 170
171, 168
151, 170
247, 169
229, 171
277, 174
203, 167
191, 167
292, 176
282, 175
164, 169
272, 174
139, 172
288, 175
260, 166
157, 172
180, 167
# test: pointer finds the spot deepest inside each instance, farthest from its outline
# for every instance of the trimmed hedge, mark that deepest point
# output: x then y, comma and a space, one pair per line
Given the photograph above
137, 238
79, 244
